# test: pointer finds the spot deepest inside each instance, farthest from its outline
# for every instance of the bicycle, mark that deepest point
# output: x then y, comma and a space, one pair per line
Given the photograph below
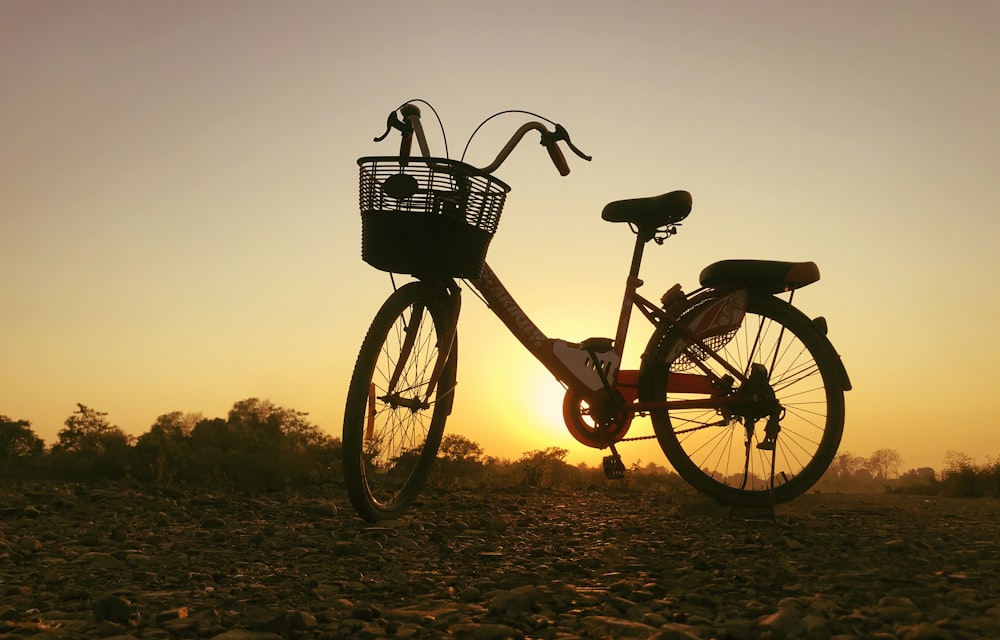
744, 391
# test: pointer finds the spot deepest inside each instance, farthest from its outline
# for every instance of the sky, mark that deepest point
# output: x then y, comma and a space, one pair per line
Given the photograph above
179, 214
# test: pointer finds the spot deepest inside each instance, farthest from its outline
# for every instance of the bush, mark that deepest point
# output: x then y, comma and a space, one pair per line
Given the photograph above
546, 468
963, 477
17, 440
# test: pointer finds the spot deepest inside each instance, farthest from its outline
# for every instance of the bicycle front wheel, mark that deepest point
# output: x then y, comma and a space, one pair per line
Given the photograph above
392, 421
722, 451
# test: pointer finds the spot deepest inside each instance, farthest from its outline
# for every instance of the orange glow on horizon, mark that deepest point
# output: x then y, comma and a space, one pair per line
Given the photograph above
180, 202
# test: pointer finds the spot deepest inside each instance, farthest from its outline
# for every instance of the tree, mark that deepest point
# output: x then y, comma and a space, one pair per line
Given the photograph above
845, 465
541, 468
459, 459
457, 448
214, 436
261, 446
958, 462
924, 476
88, 431
17, 440
254, 418
301, 434
90, 446
163, 454
885, 463
266, 417
962, 476
174, 425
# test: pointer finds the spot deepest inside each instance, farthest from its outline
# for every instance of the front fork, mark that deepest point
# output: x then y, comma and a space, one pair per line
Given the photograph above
447, 340
446, 345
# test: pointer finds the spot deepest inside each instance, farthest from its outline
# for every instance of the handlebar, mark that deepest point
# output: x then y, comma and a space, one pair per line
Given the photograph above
409, 125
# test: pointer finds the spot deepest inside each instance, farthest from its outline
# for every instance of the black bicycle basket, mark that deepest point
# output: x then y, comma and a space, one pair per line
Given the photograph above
427, 216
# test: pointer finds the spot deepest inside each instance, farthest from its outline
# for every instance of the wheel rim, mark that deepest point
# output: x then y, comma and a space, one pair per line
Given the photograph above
715, 447
398, 416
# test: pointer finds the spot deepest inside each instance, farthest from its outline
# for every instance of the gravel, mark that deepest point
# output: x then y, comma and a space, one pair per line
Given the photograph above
121, 562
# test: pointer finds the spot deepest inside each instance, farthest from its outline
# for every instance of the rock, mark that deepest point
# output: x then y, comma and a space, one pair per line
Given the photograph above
598, 563
111, 608
469, 594
213, 523
927, 631
172, 614
676, 631
478, 631
786, 623
513, 601
29, 545
246, 634
609, 627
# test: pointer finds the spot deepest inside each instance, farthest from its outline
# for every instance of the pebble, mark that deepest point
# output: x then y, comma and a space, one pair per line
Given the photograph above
601, 563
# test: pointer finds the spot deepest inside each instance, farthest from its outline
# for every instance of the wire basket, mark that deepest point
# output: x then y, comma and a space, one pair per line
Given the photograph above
429, 216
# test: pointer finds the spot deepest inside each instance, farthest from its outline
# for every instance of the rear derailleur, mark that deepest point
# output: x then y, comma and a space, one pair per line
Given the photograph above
763, 403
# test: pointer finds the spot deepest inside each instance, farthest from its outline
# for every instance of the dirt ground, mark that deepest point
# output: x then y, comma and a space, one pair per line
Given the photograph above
184, 562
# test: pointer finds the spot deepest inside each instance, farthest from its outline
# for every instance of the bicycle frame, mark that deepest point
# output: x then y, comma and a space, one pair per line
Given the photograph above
505, 307
593, 387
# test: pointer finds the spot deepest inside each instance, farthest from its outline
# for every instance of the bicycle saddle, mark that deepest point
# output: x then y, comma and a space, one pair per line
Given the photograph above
769, 276
650, 213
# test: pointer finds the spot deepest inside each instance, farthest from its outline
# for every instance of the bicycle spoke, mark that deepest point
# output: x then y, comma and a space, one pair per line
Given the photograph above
792, 435
399, 421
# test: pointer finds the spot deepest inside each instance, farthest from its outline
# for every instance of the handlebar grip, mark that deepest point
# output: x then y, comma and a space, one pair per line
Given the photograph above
558, 158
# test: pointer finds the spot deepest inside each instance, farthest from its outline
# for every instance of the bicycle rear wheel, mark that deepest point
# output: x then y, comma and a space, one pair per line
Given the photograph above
716, 450
392, 429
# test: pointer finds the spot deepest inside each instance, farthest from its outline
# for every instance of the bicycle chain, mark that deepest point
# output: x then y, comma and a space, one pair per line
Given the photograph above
637, 438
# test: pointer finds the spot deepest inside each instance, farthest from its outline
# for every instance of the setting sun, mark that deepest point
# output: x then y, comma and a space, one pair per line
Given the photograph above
546, 395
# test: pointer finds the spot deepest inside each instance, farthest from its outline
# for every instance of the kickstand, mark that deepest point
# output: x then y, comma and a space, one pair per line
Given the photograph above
614, 468
760, 513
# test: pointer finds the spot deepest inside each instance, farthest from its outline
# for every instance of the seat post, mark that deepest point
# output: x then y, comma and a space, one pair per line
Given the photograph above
631, 284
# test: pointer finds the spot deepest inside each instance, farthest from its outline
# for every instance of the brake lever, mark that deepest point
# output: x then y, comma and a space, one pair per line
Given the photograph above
561, 134
393, 122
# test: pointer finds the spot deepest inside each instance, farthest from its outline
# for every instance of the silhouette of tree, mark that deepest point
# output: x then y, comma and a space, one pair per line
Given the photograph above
459, 459
457, 448
884, 464
845, 466
176, 424
958, 461
88, 430
963, 477
541, 467
301, 433
922, 477
17, 440
212, 435
265, 417
164, 454
262, 446
91, 447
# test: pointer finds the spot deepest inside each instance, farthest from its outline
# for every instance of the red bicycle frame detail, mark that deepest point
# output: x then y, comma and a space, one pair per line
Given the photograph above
503, 305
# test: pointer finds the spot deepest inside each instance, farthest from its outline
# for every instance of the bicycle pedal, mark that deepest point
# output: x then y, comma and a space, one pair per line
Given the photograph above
614, 468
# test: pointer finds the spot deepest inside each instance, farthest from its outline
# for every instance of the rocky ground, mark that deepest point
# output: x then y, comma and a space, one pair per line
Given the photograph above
79, 561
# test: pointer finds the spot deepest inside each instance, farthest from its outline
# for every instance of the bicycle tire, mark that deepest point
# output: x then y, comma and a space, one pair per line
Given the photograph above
389, 443
807, 379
